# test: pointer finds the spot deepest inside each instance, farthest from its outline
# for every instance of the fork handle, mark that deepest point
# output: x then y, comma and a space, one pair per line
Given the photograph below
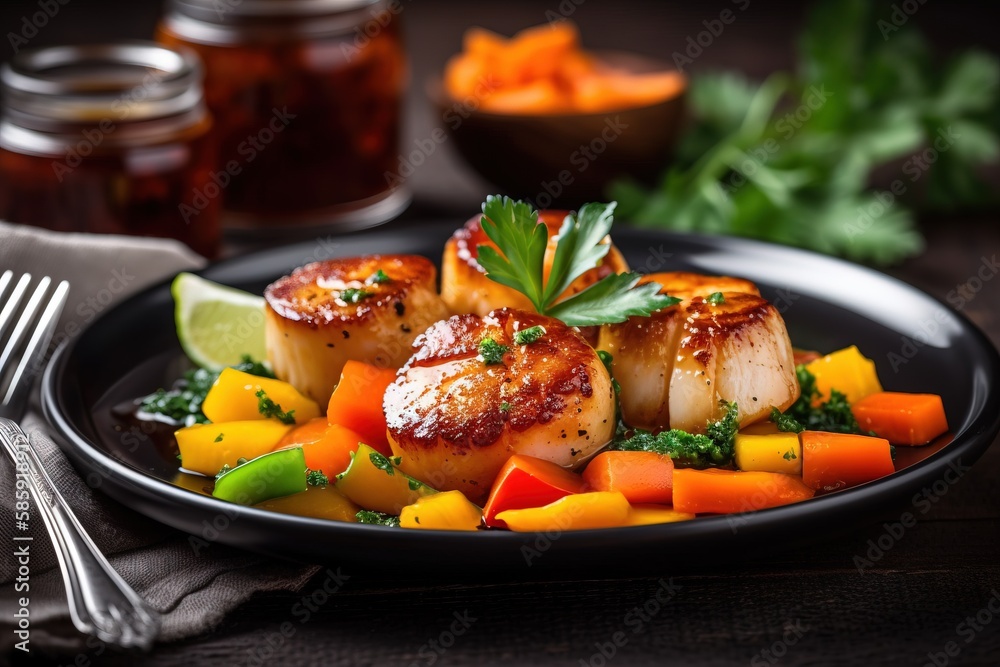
101, 603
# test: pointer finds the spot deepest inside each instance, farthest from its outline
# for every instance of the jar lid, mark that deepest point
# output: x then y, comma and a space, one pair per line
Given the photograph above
233, 21
127, 81
217, 11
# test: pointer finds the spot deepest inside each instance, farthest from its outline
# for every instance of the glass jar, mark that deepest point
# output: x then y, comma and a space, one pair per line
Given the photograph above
307, 96
109, 138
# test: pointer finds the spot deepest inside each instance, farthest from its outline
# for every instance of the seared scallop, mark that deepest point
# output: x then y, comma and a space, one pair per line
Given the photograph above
675, 366
454, 418
367, 308
466, 289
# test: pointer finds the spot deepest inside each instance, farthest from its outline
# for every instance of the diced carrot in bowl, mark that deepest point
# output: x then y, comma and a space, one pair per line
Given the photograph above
544, 70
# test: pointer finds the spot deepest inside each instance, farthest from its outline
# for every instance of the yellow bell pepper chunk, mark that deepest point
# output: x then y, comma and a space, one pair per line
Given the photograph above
233, 397
375, 483
449, 510
205, 448
643, 515
847, 371
579, 511
778, 452
318, 502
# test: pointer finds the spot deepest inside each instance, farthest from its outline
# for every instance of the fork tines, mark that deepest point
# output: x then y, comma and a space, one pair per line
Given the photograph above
27, 320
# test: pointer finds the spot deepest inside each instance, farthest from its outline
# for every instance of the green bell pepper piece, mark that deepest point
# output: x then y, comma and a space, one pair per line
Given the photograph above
272, 475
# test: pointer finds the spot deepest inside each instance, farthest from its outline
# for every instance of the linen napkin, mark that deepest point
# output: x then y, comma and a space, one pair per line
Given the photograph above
193, 591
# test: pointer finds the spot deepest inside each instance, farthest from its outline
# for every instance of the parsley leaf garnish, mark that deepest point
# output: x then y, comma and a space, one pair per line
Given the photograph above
378, 278
519, 264
354, 295
382, 462
716, 298
833, 415
879, 96
182, 403
715, 448
269, 408
491, 351
529, 335
317, 478
377, 518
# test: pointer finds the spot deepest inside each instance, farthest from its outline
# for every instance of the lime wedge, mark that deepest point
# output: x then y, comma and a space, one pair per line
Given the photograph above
216, 324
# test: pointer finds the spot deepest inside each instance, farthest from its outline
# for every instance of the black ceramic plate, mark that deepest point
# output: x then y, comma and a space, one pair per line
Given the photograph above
917, 343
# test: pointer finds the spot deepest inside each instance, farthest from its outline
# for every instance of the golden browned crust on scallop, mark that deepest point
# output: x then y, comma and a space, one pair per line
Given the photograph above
687, 285
676, 365
309, 294
706, 325
313, 326
551, 375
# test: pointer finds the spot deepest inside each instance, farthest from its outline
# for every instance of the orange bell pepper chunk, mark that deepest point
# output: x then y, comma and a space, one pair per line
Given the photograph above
326, 447
311, 431
356, 403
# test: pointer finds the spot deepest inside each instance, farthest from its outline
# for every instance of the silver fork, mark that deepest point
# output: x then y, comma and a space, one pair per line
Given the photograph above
101, 603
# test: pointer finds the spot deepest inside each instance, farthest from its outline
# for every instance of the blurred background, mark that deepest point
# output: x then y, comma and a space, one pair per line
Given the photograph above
761, 40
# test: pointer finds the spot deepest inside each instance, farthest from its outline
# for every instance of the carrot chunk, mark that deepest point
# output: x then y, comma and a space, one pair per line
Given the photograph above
902, 419
642, 477
833, 461
729, 492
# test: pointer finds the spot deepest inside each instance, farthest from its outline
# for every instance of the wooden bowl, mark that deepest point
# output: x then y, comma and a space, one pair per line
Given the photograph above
564, 160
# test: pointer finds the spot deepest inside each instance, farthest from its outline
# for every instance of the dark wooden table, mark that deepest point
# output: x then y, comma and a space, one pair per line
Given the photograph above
929, 594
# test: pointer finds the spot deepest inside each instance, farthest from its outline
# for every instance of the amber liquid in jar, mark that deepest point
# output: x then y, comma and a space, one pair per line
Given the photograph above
108, 139
307, 99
